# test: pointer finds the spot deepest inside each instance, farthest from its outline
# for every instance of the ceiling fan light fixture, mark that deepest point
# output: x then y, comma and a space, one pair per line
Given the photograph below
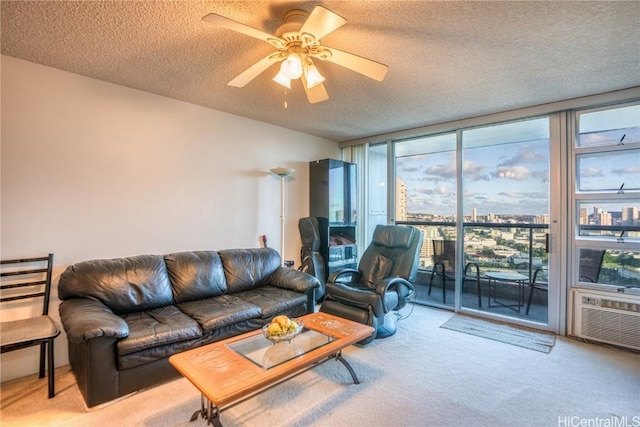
282, 79
312, 75
292, 66
296, 41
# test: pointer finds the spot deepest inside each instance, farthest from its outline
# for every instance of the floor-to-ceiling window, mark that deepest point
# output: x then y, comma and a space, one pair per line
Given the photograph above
521, 205
426, 197
482, 245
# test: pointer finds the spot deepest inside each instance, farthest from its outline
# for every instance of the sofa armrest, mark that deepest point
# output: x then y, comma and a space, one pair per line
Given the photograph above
295, 280
299, 281
84, 319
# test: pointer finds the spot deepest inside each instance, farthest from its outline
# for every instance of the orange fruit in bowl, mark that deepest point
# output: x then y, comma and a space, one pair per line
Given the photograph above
274, 329
283, 321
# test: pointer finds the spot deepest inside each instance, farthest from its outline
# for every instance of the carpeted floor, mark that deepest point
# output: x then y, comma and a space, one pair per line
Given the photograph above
424, 375
509, 334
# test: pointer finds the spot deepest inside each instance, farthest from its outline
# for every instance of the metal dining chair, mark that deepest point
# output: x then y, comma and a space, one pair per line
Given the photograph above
27, 279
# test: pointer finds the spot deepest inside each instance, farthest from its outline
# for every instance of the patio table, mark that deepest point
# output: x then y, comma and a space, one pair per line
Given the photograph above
507, 278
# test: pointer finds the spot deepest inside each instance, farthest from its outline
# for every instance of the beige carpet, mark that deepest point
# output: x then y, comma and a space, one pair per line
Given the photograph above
422, 376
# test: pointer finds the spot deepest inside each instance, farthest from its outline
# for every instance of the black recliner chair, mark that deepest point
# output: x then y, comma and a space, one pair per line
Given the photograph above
382, 282
311, 261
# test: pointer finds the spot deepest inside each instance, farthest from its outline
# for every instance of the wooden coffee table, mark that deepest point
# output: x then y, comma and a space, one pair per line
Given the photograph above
229, 371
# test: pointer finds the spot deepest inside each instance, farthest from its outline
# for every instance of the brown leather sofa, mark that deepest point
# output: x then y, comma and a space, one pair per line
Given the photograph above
124, 317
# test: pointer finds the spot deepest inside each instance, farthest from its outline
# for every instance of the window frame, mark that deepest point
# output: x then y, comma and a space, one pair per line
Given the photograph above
578, 241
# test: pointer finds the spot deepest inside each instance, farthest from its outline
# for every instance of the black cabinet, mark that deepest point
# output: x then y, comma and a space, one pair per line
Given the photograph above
332, 195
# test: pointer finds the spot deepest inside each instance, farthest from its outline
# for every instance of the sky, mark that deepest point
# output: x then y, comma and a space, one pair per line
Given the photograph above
506, 167
498, 179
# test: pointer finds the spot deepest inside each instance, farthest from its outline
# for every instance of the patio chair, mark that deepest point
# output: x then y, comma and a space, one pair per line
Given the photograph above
444, 257
590, 264
381, 284
588, 271
23, 279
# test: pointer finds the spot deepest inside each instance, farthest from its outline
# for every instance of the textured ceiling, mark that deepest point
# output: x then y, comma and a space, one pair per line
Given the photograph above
447, 60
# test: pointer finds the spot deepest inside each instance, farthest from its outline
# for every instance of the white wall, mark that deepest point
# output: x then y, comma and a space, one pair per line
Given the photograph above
96, 170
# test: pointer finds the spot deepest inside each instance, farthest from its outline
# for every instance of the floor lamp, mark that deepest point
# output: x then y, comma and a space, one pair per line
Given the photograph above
282, 173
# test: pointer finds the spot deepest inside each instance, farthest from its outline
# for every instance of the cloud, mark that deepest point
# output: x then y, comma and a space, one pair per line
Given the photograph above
440, 190
444, 171
524, 195
543, 175
516, 173
596, 139
474, 171
524, 156
590, 172
510, 194
626, 171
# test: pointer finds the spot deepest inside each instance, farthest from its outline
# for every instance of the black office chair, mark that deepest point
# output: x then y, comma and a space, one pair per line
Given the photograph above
444, 265
310, 259
23, 279
381, 284
588, 271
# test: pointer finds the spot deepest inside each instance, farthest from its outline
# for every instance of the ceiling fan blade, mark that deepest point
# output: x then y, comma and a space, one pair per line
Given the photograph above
318, 93
230, 24
321, 22
364, 66
253, 71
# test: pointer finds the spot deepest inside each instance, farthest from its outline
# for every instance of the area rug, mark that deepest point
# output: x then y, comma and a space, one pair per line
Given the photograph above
509, 334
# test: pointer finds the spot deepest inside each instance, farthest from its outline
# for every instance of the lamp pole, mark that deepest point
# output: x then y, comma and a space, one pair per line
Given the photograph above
282, 173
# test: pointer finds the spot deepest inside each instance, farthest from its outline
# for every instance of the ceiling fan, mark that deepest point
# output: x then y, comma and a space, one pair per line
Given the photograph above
298, 42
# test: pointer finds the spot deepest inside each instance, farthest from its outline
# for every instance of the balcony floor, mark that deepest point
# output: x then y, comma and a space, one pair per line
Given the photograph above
507, 294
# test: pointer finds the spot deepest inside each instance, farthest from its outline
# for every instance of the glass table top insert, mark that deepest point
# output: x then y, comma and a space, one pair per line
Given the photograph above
266, 355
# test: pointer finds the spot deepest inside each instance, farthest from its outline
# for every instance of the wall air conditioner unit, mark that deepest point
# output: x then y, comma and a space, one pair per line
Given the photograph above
606, 317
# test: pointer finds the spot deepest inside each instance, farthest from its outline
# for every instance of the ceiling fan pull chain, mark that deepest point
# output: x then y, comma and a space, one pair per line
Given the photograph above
285, 98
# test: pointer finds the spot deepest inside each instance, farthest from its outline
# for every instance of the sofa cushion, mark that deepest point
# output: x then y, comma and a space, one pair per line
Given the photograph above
272, 300
245, 269
214, 313
195, 275
157, 327
125, 285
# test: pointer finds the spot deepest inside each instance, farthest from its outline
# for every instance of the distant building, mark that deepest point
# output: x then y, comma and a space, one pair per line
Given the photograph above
401, 200
584, 216
544, 218
602, 217
630, 216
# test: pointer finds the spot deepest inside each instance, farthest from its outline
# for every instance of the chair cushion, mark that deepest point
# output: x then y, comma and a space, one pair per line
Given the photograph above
374, 268
360, 296
214, 313
157, 327
25, 330
392, 236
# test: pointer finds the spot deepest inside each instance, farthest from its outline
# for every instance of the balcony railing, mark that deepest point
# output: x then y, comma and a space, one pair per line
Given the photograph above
523, 251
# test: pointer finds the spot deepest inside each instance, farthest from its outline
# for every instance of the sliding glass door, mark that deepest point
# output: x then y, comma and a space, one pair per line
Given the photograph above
481, 197
505, 227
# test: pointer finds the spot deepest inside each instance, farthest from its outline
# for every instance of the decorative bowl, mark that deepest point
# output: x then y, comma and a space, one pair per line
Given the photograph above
283, 336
